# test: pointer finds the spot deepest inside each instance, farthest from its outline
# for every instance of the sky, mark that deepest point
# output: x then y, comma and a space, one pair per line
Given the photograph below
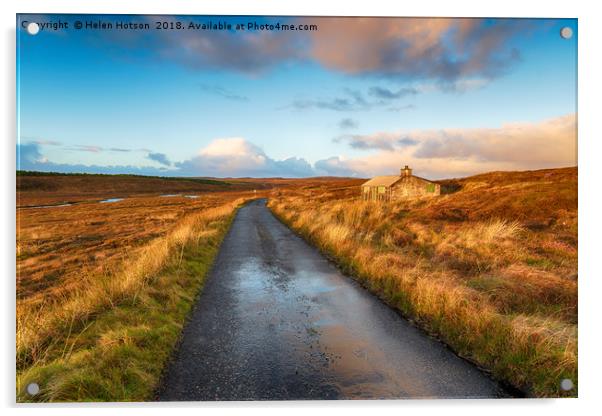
353, 97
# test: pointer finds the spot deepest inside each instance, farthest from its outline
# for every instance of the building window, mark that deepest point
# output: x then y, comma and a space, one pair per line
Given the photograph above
430, 187
381, 189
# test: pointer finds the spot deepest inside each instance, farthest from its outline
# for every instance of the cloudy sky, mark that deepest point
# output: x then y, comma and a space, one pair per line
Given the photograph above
356, 97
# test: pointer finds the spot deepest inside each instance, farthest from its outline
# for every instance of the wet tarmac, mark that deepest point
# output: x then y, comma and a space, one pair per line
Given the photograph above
278, 321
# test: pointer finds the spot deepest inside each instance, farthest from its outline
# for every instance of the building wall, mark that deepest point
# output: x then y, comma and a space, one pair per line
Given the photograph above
413, 187
376, 193
407, 188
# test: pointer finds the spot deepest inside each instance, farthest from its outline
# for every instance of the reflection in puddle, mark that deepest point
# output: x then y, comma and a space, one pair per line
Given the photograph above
169, 195
104, 201
191, 196
325, 322
252, 279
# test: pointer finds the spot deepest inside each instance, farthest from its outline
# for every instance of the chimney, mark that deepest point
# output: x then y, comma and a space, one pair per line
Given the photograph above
406, 172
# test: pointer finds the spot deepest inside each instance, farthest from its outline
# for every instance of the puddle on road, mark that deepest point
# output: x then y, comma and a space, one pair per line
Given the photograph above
191, 196
301, 316
360, 368
326, 322
169, 195
109, 200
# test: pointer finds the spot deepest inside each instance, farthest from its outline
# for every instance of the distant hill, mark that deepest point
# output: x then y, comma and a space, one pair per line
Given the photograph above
35, 188
538, 195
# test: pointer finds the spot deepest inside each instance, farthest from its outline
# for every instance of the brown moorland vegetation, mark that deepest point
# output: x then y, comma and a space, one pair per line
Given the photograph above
57, 247
489, 267
103, 289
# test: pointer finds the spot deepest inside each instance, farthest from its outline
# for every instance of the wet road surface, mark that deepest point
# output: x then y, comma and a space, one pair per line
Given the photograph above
277, 321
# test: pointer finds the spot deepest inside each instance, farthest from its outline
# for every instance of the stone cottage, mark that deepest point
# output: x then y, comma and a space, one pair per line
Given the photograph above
404, 186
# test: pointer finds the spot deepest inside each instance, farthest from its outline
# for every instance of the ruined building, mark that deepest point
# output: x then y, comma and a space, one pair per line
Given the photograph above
404, 186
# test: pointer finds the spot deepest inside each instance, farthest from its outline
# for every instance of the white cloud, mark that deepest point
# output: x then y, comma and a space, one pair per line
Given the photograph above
235, 146
236, 156
334, 166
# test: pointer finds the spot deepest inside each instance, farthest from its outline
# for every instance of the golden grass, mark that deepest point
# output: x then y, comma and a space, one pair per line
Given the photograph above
491, 269
58, 247
108, 337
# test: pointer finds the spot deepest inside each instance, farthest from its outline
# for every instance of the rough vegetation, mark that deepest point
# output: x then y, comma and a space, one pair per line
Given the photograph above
108, 336
490, 267
59, 247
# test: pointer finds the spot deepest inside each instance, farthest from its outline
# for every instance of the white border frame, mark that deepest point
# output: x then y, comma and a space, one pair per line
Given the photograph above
589, 143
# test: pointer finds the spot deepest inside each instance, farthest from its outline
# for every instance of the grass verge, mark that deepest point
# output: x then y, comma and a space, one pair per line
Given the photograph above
110, 340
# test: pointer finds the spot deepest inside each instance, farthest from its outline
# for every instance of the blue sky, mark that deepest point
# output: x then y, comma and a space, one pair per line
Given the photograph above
356, 97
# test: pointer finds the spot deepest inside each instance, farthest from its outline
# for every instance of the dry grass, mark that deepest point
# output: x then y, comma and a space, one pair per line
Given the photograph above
59, 248
106, 335
490, 268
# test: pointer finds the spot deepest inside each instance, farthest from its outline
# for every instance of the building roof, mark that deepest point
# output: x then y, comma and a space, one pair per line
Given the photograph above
382, 180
